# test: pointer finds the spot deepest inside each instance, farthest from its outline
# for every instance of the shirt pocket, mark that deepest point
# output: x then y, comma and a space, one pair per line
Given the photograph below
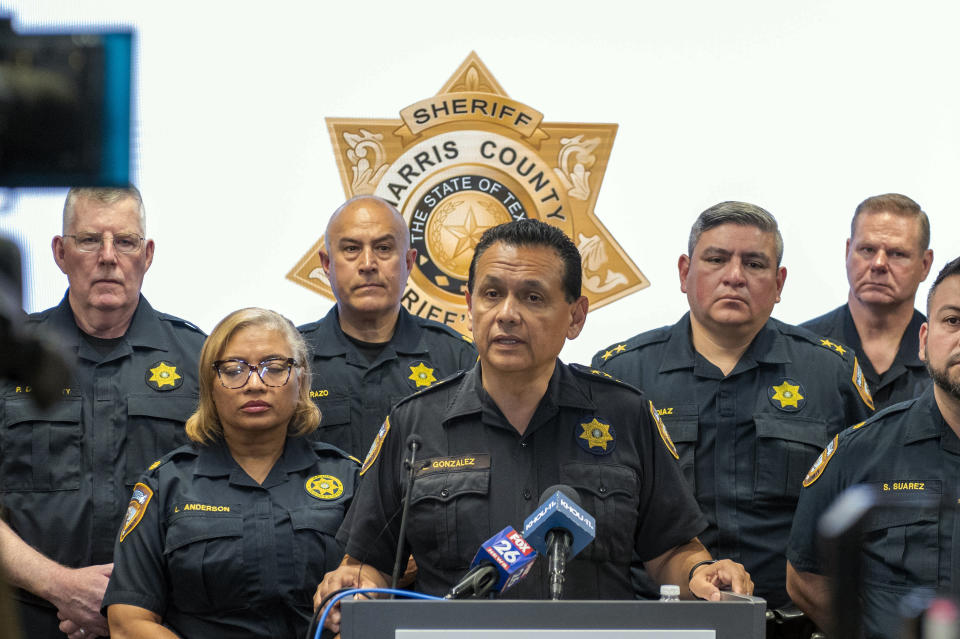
155, 426
204, 556
335, 423
901, 539
611, 493
315, 550
683, 425
786, 448
450, 516
41, 450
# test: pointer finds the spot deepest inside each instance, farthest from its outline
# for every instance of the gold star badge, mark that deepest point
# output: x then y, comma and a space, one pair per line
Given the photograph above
421, 375
827, 343
468, 158
607, 355
596, 434
788, 395
839, 349
163, 376
324, 487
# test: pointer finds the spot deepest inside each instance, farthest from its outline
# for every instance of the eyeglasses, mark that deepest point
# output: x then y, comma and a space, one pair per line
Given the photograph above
122, 242
235, 373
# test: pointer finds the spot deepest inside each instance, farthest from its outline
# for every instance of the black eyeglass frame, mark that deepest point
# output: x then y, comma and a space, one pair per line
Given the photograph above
258, 367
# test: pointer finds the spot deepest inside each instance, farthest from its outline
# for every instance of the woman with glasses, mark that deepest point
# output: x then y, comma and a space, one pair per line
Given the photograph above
229, 536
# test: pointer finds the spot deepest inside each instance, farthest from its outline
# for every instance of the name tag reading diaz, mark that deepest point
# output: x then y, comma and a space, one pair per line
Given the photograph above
467, 159
479, 461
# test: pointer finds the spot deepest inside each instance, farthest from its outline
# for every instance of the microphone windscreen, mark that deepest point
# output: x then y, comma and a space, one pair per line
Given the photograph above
510, 553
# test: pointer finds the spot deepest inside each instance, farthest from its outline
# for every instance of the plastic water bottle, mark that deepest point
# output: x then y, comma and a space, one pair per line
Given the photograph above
669, 592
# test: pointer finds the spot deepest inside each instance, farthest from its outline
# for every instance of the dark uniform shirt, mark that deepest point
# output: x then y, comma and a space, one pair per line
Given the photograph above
478, 475
910, 543
905, 379
354, 395
66, 473
746, 439
217, 555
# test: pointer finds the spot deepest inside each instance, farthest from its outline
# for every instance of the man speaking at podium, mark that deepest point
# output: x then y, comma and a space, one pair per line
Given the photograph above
494, 437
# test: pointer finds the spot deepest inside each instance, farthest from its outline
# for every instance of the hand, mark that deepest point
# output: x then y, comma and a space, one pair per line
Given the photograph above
350, 574
708, 580
77, 594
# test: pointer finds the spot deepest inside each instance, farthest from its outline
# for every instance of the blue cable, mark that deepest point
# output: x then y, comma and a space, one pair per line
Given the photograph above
366, 591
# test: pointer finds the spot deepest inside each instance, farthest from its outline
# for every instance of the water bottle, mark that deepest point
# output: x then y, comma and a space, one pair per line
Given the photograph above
669, 592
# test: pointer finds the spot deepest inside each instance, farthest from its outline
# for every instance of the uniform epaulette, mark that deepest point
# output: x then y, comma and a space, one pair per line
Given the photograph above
442, 328
173, 319
186, 450
806, 335
889, 410
593, 373
429, 389
650, 337
330, 448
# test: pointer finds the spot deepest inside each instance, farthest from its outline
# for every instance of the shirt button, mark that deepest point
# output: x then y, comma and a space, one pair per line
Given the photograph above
444, 493
526, 493
603, 489
523, 444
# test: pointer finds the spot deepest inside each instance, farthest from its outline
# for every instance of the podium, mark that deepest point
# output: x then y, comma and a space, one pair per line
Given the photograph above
735, 618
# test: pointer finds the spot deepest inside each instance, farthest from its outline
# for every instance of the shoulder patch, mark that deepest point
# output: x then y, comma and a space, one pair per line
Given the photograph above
138, 505
662, 429
375, 447
861, 383
821, 463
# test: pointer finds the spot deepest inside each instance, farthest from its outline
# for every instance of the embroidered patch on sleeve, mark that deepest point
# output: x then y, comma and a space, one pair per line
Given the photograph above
861, 383
375, 447
138, 505
818, 466
664, 435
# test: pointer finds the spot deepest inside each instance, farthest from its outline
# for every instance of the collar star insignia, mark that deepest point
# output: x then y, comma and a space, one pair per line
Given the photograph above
421, 375
827, 343
324, 487
619, 348
839, 349
162, 376
596, 434
788, 395
607, 355
466, 159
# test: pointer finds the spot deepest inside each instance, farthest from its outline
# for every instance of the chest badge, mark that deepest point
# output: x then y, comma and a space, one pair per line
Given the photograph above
325, 487
597, 437
787, 396
421, 375
163, 377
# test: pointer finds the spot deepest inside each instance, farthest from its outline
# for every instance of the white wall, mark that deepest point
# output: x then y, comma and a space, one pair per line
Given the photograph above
803, 108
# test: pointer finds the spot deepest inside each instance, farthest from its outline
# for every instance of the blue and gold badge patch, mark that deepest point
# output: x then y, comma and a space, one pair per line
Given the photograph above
375, 447
818, 466
138, 505
421, 375
325, 487
861, 383
787, 396
163, 377
662, 429
597, 436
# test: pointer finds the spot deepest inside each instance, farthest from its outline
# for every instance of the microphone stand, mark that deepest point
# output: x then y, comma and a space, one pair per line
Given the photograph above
413, 443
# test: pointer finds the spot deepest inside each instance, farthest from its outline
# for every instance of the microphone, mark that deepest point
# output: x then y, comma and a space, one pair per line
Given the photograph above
413, 444
560, 529
502, 561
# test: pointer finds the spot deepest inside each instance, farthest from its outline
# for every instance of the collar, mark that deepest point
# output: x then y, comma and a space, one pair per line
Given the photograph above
144, 330
563, 390
907, 352
215, 460
931, 421
769, 346
329, 340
